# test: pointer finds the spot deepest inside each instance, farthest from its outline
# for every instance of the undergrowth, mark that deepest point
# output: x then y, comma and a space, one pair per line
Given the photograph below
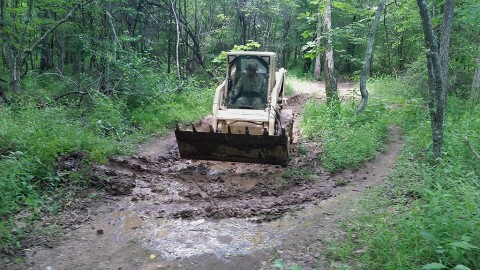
348, 138
427, 215
37, 130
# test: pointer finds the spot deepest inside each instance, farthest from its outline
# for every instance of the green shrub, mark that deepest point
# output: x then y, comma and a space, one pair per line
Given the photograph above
424, 216
348, 139
166, 110
36, 131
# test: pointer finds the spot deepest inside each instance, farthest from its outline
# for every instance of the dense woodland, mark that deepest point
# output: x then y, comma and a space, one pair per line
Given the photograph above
111, 40
97, 77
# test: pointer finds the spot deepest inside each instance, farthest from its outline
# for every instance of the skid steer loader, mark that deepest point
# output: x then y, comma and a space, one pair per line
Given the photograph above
248, 122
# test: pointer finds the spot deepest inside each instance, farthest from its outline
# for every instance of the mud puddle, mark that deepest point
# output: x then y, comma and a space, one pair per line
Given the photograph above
160, 212
170, 213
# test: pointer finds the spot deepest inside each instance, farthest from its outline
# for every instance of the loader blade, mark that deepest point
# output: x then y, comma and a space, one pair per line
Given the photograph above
249, 148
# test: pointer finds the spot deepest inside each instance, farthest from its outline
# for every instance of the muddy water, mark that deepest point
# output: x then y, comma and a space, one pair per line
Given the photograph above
131, 235
161, 212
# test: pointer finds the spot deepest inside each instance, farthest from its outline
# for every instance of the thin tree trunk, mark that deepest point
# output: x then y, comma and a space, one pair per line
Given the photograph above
46, 56
436, 63
401, 50
350, 50
2, 12
60, 37
185, 36
15, 73
318, 66
330, 80
46, 51
445, 38
196, 48
243, 20
3, 95
169, 55
178, 39
476, 81
18, 55
387, 40
286, 29
368, 58
115, 37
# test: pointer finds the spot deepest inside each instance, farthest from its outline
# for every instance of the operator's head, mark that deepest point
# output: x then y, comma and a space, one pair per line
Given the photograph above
252, 69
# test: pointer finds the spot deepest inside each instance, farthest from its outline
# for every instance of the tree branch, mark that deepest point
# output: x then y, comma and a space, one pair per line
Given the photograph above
467, 143
70, 93
368, 57
57, 24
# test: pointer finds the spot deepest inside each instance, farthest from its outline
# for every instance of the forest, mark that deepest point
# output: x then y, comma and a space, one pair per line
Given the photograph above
95, 79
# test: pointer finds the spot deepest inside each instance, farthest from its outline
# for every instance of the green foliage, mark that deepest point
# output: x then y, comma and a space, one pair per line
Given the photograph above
280, 265
249, 46
298, 173
36, 132
164, 111
290, 81
348, 139
424, 217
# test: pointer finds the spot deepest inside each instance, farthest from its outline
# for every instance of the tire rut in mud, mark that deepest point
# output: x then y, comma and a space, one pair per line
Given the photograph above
176, 188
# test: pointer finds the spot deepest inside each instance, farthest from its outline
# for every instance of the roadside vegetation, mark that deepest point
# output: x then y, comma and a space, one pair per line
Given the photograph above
90, 79
37, 131
427, 214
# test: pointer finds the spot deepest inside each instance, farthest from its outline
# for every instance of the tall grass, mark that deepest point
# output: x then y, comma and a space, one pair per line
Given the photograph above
426, 216
36, 131
159, 114
348, 139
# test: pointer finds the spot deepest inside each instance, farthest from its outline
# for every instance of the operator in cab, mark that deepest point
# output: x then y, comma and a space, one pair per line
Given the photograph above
250, 89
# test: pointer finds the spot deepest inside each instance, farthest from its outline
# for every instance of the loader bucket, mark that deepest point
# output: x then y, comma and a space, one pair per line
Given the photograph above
265, 149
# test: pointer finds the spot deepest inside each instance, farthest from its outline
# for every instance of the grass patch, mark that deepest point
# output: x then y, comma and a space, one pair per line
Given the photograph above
291, 174
36, 132
424, 216
163, 112
348, 139
290, 81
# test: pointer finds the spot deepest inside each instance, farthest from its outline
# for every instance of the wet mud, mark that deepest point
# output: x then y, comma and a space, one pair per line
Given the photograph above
154, 210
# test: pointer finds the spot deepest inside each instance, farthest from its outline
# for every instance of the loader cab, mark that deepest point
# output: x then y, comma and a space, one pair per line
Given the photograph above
247, 89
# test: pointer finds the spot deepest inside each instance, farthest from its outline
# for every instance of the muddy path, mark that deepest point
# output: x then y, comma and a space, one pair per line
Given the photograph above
160, 212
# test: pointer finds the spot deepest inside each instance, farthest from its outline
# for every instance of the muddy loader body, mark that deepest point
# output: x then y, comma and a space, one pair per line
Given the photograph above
248, 121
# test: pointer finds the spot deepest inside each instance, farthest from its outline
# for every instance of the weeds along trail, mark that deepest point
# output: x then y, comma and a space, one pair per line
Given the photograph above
174, 212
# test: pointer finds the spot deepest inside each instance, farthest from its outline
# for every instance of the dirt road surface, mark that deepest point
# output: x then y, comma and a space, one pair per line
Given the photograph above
161, 212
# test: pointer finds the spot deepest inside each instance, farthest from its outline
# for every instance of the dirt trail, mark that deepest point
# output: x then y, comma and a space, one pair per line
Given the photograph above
161, 212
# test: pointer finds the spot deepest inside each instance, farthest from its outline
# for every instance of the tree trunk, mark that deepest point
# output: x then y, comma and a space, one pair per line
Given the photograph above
318, 66
286, 29
169, 55
401, 51
436, 63
3, 95
330, 80
46, 56
368, 58
387, 40
242, 17
476, 81
350, 50
46, 51
15, 73
445, 39
20, 51
115, 37
178, 39
60, 38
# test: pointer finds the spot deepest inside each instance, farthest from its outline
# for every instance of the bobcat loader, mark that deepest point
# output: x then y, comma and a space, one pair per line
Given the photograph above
255, 128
